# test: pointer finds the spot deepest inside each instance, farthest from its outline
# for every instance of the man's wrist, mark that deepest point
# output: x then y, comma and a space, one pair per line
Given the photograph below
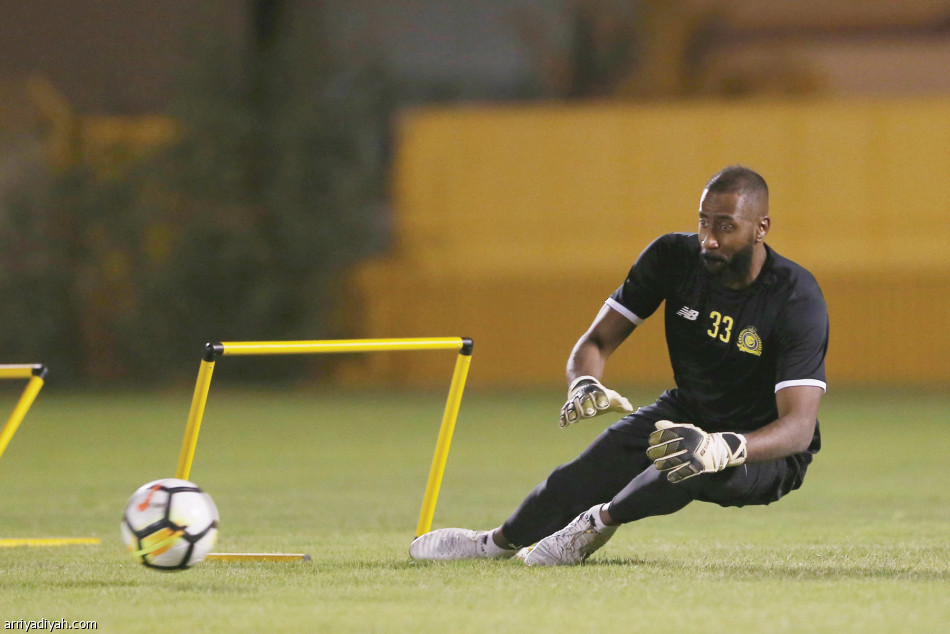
737, 448
581, 380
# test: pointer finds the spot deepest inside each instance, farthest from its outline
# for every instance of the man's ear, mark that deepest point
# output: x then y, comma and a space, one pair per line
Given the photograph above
762, 229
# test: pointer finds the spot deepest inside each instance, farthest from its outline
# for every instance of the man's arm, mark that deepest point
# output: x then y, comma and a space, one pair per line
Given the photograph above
792, 431
586, 395
608, 330
684, 450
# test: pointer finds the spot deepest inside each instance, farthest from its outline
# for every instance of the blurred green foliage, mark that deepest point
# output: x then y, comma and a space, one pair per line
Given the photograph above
241, 230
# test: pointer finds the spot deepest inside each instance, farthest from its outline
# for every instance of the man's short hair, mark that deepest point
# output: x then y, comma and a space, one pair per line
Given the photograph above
738, 179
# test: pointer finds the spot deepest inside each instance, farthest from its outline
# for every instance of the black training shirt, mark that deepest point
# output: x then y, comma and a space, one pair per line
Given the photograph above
731, 350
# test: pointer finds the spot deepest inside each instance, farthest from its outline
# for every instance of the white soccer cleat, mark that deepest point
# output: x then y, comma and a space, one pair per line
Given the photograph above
455, 543
571, 545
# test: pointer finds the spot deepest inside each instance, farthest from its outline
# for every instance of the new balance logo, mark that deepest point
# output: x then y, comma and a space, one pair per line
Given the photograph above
688, 313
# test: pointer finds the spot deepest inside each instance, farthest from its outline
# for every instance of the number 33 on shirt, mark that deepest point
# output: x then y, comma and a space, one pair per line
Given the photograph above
723, 321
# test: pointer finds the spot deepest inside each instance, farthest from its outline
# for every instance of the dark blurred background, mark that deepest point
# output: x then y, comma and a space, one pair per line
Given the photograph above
173, 173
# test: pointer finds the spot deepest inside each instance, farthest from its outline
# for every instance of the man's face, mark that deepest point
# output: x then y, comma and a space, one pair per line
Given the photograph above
728, 225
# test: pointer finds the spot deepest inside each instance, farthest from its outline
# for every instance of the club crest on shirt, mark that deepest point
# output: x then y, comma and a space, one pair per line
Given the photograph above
749, 341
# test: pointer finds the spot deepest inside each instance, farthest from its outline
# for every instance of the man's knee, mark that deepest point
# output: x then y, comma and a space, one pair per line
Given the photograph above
651, 494
601, 470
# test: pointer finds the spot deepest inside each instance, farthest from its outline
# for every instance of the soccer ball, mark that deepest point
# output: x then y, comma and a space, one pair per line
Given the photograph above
170, 524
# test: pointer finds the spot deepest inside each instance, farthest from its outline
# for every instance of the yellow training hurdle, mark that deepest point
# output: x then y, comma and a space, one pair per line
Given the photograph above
335, 346
36, 374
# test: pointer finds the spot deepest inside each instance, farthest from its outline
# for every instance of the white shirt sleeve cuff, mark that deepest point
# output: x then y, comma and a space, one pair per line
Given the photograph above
623, 310
809, 382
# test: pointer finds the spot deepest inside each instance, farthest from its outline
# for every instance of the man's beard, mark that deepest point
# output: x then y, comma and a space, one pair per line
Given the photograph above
736, 267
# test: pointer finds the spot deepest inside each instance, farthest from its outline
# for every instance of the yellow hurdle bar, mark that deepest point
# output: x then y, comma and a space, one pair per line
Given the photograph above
243, 557
20, 370
195, 414
338, 346
36, 373
38, 542
449, 416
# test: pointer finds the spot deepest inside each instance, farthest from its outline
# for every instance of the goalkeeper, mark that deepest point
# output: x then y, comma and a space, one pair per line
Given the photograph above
746, 330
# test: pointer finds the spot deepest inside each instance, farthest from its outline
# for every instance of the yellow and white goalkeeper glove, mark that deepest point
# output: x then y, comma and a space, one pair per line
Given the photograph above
587, 397
684, 450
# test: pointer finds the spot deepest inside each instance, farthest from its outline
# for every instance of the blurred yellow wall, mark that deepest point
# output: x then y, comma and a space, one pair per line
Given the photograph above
513, 224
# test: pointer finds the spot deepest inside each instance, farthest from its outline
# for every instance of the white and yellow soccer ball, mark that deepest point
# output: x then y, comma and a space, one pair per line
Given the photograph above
170, 524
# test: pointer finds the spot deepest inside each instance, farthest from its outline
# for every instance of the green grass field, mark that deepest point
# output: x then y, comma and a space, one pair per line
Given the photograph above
863, 546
